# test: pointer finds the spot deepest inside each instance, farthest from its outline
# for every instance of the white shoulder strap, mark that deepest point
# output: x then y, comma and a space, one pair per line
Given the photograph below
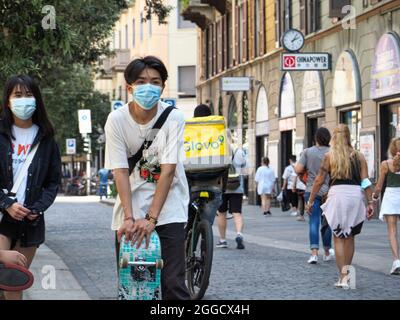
24, 169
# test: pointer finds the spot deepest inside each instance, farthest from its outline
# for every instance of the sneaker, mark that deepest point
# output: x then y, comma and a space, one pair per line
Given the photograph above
222, 244
313, 260
239, 241
330, 257
269, 213
265, 213
395, 268
301, 218
293, 214
14, 277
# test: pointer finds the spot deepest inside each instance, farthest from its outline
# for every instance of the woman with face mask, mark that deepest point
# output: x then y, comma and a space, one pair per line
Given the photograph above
25, 194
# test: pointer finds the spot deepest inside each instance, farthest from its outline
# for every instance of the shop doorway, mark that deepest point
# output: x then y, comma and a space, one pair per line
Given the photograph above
390, 126
313, 123
286, 148
261, 152
352, 118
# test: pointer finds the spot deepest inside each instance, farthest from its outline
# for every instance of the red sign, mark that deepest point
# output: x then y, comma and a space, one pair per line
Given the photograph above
289, 61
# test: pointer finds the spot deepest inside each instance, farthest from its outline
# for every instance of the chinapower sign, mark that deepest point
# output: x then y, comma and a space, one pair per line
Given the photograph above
305, 62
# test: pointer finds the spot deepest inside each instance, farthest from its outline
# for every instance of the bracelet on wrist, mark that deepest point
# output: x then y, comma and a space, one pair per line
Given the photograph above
129, 218
151, 219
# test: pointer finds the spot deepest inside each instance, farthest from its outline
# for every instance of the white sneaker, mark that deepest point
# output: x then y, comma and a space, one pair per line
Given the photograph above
329, 258
395, 268
313, 260
293, 214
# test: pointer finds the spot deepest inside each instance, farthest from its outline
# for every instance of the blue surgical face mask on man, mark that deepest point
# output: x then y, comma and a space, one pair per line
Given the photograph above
23, 108
146, 95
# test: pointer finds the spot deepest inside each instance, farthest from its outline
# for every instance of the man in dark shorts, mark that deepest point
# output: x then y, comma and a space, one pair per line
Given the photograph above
232, 201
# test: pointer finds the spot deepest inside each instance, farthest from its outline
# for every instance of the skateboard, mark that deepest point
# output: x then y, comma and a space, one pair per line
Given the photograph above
140, 270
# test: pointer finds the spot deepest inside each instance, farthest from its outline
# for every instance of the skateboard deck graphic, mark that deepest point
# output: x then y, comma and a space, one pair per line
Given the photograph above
140, 270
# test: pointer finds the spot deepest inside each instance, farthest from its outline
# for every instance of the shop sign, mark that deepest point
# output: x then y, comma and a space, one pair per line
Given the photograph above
305, 61
385, 76
367, 148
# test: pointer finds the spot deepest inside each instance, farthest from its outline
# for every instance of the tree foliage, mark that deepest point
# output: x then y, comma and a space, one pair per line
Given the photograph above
62, 59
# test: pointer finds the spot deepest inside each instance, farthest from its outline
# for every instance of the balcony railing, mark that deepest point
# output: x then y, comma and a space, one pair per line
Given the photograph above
116, 63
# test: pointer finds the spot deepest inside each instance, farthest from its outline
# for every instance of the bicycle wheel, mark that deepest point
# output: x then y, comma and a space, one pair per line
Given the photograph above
199, 256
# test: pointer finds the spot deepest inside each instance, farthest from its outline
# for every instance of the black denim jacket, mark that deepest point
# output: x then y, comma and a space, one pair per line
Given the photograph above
44, 174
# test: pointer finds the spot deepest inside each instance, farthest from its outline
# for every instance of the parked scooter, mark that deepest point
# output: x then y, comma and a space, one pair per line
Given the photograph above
77, 187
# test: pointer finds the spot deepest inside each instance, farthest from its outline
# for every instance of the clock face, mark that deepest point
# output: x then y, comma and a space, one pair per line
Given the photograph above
293, 40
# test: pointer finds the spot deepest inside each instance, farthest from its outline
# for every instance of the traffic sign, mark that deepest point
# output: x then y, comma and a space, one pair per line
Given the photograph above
116, 104
85, 121
305, 62
71, 146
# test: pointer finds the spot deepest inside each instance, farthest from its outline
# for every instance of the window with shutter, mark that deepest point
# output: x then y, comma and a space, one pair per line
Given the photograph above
262, 33
210, 51
237, 35
303, 16
245, 49
277, 22
224, 40
256, 29
231, 40
335, 8
219, 46
213, 50
187, 81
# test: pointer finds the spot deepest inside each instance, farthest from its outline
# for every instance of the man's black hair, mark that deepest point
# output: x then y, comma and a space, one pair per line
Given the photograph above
293, 158
136, 67
202, 110
323, 137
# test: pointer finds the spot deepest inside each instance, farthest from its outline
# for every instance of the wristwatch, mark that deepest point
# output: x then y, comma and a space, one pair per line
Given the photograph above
151, 219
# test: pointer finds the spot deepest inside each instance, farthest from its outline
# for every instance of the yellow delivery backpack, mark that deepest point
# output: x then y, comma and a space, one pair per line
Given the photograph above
206, 146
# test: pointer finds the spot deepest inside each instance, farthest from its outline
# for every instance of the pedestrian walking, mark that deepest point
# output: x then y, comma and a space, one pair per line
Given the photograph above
390, 208
288, 186
153, 192
30, 169
103, 175
265, 180
232, 201
309, 164
299, 189
345, 208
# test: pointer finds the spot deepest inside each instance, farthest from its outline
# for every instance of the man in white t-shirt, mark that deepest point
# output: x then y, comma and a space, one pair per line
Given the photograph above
156, 195
289, 177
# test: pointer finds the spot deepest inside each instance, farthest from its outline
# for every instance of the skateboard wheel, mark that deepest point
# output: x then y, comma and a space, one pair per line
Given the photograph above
159, 263
124, 260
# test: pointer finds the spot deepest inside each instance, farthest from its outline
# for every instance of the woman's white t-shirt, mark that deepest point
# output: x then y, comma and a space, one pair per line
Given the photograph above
124, 137
21, 146
265, 178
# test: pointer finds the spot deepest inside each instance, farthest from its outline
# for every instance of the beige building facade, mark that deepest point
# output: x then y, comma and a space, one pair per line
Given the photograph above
280, 113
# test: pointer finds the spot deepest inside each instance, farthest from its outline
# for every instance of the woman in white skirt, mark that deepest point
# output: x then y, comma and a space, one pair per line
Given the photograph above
265, 179
345, 208
390, 208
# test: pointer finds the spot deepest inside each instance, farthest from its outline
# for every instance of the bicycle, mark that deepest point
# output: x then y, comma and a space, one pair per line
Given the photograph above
199, 249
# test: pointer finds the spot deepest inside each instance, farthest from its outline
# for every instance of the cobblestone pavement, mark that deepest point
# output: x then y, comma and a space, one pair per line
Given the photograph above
273, 265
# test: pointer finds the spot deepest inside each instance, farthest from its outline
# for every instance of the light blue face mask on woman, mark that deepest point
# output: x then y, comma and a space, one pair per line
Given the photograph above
23, 108
146, 95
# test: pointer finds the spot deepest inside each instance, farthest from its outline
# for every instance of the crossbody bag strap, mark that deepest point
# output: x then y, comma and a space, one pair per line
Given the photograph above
24, 170
159, 123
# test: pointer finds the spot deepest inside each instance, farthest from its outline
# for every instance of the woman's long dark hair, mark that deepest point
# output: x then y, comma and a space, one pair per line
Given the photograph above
39, 117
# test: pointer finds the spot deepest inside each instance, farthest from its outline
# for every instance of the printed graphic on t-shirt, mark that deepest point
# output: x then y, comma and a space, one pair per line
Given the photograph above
20, 152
